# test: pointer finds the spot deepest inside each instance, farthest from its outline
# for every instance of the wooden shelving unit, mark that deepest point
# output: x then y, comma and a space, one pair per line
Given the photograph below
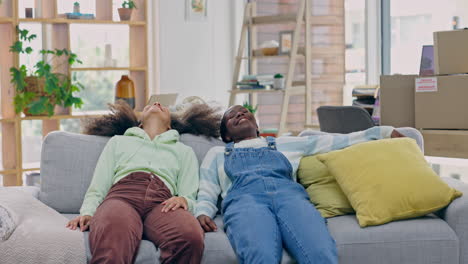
11, 128
301, 20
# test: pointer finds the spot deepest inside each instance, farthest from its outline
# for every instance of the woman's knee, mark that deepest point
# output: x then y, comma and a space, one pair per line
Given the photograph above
194, 236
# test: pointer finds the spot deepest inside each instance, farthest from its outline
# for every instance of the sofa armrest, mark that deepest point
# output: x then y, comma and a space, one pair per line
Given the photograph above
456, 216
32, 190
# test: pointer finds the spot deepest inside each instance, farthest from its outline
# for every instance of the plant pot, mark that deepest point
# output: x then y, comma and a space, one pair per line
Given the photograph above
125, 14
36, 85
60, 110
278, 83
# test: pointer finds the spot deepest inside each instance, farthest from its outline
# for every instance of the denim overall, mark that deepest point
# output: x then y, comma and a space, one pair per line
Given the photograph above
265, 210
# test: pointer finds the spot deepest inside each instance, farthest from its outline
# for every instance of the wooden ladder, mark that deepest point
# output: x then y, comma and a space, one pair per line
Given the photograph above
291, 87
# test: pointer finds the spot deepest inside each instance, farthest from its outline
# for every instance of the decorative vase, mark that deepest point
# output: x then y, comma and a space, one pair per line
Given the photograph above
125, 14
125, 90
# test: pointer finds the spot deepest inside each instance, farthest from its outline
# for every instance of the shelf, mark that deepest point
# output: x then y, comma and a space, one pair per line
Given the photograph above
80, 21
278, 19
30, 169
5, 20
110, 69
11, 171
74, 115
314, 51
314, 127
291, 18
294, 90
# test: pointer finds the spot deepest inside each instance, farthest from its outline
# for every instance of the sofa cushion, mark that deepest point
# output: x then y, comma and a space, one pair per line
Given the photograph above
67, 165
322, 188
422, 240
388, 180
200, 144
68, 161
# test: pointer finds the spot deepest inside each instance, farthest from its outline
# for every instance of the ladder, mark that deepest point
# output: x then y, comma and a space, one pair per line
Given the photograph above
292, 87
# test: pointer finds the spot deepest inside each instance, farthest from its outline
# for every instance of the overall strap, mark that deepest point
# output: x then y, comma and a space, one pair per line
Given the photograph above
228, 148
271, 142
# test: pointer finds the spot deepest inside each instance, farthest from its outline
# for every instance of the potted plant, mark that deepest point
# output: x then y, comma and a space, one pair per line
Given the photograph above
250, 107
125, 13
278, 82
41, 89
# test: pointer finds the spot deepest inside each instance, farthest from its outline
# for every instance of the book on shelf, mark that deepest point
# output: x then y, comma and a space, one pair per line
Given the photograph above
261, 81
363, 92
247, 87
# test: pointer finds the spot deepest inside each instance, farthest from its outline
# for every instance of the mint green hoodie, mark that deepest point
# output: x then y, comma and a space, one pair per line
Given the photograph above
174, 163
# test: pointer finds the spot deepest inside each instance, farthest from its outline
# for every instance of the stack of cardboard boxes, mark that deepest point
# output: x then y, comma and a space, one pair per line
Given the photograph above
438, 105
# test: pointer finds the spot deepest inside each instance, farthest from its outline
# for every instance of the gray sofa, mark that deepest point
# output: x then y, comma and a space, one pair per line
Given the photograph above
68, 161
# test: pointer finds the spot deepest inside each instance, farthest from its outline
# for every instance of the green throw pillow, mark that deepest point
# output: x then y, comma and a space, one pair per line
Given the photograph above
323, 190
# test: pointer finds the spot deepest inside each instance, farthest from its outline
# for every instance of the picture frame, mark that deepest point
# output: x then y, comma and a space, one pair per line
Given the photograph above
285, 41
196, 10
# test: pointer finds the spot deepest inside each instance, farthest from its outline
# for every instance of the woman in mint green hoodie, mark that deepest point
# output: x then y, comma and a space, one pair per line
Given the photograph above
145, 183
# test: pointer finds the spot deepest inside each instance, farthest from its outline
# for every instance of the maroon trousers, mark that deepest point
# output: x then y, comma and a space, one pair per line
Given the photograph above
131, 210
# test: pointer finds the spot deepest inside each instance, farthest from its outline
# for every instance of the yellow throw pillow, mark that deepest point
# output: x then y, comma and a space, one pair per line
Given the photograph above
388, 180
323, 190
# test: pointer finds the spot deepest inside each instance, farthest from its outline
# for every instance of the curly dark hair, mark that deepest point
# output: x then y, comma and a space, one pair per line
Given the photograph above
198, 119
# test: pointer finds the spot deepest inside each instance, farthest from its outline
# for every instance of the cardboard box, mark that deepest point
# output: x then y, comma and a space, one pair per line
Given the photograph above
446, 143
441, 102
451, 52
397, 100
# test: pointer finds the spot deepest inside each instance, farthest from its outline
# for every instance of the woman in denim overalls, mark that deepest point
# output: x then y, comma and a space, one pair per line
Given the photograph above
264, 209
264, 196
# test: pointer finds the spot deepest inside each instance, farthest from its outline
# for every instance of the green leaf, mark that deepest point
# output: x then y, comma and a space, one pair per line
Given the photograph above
17, 47
22, 100
33, 36
23, 34
18, 77
49, 109
28, 50
38, 106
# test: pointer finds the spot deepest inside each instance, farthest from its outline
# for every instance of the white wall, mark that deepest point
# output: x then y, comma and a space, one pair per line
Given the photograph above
197, 58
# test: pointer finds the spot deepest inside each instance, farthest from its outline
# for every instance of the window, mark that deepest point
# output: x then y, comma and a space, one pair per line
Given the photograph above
412, 26
355, 19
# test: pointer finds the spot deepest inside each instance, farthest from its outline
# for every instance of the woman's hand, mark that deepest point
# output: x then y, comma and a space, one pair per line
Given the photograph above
174, 203
396, 134
82, 221
207, 223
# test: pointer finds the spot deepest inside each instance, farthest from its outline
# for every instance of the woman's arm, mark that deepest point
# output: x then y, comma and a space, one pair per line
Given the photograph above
330, 142
316, 144
188, 179
209, 186
102, 180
